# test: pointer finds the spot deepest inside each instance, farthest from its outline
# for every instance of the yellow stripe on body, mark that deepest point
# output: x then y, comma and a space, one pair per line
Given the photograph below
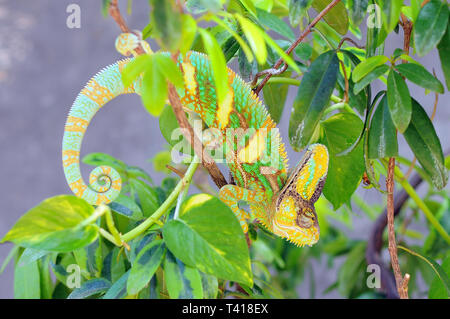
70, 157
255, 147
78, 187
97, 93
311, 173
76, 124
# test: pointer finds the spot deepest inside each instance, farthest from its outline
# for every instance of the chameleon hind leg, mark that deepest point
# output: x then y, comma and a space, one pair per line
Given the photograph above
232, 194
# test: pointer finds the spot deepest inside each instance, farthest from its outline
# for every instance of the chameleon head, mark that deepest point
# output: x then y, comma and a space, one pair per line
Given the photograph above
293, 215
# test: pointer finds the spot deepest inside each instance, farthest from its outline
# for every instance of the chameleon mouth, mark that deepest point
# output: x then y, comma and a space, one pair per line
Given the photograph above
297, 235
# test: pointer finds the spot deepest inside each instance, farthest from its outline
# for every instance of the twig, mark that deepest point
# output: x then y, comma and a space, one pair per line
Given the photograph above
297, 42
271, 71
392, 246
375, 241
401, 283
176, 171
351, 41
346, 81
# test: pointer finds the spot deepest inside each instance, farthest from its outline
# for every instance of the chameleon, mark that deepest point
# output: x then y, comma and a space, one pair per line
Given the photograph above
282, 202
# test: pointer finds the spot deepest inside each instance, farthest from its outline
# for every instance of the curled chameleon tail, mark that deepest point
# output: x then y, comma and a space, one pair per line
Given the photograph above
254, 153
104, 181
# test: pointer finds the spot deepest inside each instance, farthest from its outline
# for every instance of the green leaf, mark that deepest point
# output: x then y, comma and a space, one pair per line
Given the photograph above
440, 272
367, 66
438, 289
420, 76
154, 91
99, 159
90, 288
210, 286
169, 69
46, 282
208, 237
430, 26
444, 54
313, 96
391, 14
189, 30
347, 275
148, 198
337, 17
134, 68
303, 51
281, 53
182, 282
105, 7
127, 207
168, 24
27, 283
275, 23
53, 225
371, 76
29, 255
424, 142
358, 9
254, 37
340, 131
399, 101
297, 10
167, 124
218, 64
275, 98
145, 266
12, 253
237, 38
137, 172
160, 160
382, 134
119, 288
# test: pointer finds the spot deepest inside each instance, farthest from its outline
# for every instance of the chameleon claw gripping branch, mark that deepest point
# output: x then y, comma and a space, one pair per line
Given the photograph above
253, 150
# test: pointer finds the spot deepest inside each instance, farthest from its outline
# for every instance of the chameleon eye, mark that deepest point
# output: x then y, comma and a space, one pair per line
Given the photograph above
308, 213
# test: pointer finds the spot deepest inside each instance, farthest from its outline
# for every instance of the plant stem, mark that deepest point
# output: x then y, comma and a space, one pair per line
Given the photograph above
112, 228
166, 205
392, 245
98, 212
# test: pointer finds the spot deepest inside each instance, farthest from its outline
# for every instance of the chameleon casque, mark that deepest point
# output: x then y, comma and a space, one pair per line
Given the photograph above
283, 203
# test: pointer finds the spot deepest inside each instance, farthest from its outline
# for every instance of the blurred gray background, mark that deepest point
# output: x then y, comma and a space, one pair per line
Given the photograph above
43, 66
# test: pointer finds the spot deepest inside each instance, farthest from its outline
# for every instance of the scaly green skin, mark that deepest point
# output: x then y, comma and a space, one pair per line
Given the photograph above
255, 155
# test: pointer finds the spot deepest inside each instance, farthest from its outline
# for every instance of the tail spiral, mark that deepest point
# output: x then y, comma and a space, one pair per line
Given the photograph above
104, 181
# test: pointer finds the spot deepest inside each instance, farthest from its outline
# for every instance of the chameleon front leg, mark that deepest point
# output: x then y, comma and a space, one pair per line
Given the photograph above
232, 194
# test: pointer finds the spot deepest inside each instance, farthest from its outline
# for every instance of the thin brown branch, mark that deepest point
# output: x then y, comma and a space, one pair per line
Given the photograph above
392, 246
351, 41
297, 42
176, 171
401, 283
346, 81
